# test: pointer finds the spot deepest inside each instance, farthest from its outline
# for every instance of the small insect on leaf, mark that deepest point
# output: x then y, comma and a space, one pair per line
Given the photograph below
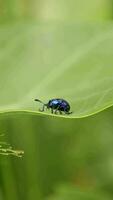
56, 105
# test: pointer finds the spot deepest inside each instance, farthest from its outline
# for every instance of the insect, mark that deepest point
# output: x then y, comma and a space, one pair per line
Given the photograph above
56, 105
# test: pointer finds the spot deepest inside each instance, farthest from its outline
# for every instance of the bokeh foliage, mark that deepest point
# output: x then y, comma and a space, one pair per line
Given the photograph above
58, 10
77, 152
64, 158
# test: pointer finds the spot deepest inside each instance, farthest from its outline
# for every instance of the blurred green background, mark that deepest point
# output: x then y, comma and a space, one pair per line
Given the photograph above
62, 10
65, 159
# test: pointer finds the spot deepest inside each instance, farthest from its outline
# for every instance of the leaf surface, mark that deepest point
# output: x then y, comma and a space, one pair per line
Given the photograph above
45, 61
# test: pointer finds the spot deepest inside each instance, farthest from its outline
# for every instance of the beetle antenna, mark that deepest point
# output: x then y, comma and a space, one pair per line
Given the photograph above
39, 101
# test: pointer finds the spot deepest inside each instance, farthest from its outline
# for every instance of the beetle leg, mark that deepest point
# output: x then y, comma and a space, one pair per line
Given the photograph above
46, 108
51, 110
60, 112
42, 110
57, 110
68, 113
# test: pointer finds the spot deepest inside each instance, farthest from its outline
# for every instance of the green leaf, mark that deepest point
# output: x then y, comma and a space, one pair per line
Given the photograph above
46, 61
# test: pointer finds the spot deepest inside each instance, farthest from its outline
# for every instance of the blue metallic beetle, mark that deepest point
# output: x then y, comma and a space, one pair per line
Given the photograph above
56, 105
